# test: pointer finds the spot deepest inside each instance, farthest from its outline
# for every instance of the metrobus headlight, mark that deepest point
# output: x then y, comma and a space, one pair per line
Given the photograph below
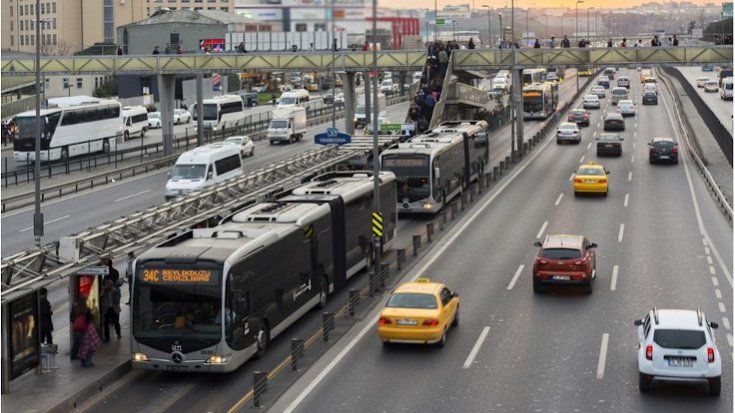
140, 357
218, 359
426, 205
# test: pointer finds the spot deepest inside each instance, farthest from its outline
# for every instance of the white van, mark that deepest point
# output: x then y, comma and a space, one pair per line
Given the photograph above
298, 97
726, 89
202, 167
135, 121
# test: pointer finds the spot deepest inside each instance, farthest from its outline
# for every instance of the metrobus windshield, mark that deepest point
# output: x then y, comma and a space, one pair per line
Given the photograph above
177, 303
412, 175
533, 103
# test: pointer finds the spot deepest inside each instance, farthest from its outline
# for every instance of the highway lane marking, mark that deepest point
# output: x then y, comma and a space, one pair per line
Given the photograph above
729, 339
581, 159
722, 307
614, 281
718, 293
706, 250
620, 232
603, 356
709, 260
561, 195
630, 176
476, 348
443, 246
541, 231
625, 203
632, 158
515, 277
715, 282
635, 135
703, 231
571, 176
133, 195
589, 145
726, 323
712, 270
51, 221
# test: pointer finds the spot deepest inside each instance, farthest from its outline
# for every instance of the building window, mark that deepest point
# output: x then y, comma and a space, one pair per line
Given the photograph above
198, 1
79, 83
21, 41
53, 7
54, 42
211, 1
300, 27
11, 11
211, 8
33, 41
198, 8
32, 9
53, 24
320, 27
184, 1
172, 8
11, 25
109, 21
225, 9
12, 41
43, 8
186, 8
20, 10
65, 81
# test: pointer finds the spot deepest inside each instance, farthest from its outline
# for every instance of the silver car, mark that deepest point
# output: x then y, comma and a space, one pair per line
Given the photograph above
626, 108
247, 147
591, 102
599, 91
568, 132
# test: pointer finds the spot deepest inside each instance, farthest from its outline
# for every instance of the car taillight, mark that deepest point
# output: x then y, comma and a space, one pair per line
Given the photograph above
583, 261
384, 321
540, 260
603, 181
586, 116
675, 150
649, 352
578, 180
431, 322
710, 354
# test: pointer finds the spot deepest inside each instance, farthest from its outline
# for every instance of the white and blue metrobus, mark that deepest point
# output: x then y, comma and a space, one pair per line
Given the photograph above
431, 169
539, 100
68, 131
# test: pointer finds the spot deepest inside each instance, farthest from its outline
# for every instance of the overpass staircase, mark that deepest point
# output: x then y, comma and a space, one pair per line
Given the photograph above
459, 98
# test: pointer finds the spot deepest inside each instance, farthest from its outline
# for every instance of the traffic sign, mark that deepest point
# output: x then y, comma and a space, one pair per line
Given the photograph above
390, 127
439, 21
332, 137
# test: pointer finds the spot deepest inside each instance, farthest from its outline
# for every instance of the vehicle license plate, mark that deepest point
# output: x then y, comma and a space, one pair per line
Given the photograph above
561, 277
177, 368
680, 362
406, 322
590, 181
608, 146
664, 157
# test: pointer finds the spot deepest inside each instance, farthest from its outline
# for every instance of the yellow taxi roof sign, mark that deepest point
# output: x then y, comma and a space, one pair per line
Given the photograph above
591, 163
423, 280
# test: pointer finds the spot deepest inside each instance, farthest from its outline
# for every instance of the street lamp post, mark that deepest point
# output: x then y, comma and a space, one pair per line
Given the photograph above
37, 215
334, 73
546, 17
489, 33
576, 17
527, 32
376, 151
588, 23
436, 17
502, 31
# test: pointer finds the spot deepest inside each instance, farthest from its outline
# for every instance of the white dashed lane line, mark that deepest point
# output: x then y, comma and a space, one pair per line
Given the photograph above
51, 221
630, 176
729, 339
632, 158
718, 293
709, 260
515, 277
476, 347
589, 145
581, 159
603, 356
712, 270
726, 323
625, 203
571, 176
614, 280
558, 199
715, 282
620, 232
722, 307
543, 228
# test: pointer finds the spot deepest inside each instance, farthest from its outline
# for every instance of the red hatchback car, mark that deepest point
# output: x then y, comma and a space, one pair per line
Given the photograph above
564, 260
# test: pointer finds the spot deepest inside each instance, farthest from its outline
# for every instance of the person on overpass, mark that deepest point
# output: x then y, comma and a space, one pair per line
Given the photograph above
610, 43
675, 41
552, 43
536, 44
624, 43
565, 42
471, 44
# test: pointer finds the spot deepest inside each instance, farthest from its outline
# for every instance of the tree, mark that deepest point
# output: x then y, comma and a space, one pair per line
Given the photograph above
107, 89
233, 82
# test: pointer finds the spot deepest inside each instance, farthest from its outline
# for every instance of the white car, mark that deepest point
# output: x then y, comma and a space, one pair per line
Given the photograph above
387, 86
677, 346
598, 91
181, 116
502, 84
650, 87
702, 80
711, 86
154, 120
590, 102
339, 98
626, 108
247, 147
624, 81
568, 131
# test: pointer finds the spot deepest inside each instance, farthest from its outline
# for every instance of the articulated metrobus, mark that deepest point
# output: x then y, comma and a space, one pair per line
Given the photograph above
210, 299
433, 168
539, 100
531, 76
68, 131
221, 112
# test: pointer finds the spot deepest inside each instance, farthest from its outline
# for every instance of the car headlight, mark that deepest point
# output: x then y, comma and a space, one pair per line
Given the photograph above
218, 359
140, 357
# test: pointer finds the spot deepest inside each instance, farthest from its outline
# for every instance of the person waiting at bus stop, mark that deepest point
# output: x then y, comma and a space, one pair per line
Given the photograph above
110, 306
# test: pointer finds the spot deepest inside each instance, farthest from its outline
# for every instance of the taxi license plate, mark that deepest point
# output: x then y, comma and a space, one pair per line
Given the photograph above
590, 181
680, 362
561, 277
406, 322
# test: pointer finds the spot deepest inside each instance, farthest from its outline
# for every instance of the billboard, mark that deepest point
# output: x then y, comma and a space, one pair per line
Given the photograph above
727, 9
216, 45
24, 340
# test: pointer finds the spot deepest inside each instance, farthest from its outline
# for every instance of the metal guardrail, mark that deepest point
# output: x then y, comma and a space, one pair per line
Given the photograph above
689, 134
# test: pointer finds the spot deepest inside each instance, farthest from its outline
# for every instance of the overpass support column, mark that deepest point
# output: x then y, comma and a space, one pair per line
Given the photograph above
200, 109
348, 87
368, 96
518, 110
166, 88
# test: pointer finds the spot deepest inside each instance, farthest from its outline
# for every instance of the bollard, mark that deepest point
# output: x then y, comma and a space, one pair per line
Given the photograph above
416, 244
502, 166
429, 231
480, 183
495, 172
372, 283
454, 211
525, 147
472, 194
462, 199
297, 350
353, 301
509, 159
327, 324
384, 274
400, 258
260, 386
443, 220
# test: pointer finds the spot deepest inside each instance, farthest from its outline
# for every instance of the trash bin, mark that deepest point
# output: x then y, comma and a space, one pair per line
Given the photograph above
48, 356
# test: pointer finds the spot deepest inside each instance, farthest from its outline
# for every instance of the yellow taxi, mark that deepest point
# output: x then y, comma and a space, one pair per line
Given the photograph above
419, 312
591, 178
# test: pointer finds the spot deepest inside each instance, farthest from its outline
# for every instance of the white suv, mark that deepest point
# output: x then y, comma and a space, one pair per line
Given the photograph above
677, 346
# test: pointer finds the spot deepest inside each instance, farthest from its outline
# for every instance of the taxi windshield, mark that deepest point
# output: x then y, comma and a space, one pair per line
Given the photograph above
590, 171
412, 300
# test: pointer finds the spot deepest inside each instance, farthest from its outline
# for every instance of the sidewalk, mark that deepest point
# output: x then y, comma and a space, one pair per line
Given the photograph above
69, 385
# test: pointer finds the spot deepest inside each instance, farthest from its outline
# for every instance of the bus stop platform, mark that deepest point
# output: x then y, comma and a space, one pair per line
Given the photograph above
69, 385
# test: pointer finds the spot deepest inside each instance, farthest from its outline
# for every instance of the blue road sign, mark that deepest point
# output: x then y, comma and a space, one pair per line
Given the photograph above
332, 137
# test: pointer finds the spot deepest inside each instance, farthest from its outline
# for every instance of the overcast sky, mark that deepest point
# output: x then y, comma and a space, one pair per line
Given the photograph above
429, 4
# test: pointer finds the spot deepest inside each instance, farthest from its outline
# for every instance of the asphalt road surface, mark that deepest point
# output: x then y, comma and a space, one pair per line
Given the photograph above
721, 108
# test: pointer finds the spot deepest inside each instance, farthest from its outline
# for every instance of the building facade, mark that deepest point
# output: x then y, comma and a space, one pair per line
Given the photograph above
67, 26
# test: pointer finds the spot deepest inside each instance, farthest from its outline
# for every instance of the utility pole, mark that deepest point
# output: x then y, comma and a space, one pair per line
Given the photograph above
576, 19
334, 73
489, 33
376, 154
37, 215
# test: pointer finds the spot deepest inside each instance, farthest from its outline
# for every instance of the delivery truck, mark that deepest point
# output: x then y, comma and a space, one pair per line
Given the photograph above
287, 125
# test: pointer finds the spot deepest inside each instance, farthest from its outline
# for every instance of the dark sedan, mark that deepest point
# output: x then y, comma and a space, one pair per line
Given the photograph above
650, 98
614, 121
663, 150
579, 116
609, 144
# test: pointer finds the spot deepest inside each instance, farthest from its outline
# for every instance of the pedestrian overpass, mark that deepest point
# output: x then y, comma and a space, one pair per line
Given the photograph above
397, 60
